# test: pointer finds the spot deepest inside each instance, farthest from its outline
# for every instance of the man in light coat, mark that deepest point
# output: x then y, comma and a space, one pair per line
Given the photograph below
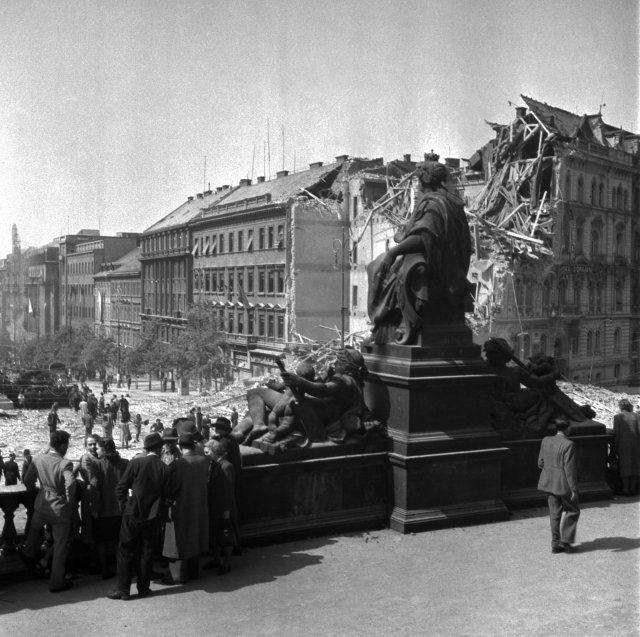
54, 505
559, 480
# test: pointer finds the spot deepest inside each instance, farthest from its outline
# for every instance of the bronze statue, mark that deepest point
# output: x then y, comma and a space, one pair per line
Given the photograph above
422, 280
529, 411
331, 408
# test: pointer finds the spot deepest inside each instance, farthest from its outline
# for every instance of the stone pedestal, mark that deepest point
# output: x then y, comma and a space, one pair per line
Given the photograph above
445, 456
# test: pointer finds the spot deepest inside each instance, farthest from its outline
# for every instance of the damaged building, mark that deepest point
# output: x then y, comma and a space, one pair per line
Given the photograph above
558, 243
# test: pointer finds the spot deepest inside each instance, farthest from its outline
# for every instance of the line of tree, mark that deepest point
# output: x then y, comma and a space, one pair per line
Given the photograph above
198, 352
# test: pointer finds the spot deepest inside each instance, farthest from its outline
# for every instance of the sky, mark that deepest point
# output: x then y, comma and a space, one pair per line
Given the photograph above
113, 112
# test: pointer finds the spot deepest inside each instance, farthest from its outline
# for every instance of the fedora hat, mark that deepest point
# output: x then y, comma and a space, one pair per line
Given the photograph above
153, 440
222, 423
169, 434
187, 426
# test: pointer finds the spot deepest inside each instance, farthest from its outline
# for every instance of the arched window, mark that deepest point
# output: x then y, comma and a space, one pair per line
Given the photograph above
620, 240
625, 199
577, 293
592, 297
616, 340
596, 234
619, 290
599, 297
580, 193
634, 342
619, 196
546, 294
614, 198
580, 236
562, 292
526, 346
567, 187
557, 348
594, 192
597, 342
601, 195
589, 342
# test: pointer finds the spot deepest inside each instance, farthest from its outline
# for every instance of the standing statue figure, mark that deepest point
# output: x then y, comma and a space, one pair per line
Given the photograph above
422, 280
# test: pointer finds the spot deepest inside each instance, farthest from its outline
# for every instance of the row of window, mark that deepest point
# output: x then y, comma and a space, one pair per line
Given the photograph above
595, 292
573, 239
265, 279
80, 267
165, 241
251, 323
597, 194
594, 341
266, 238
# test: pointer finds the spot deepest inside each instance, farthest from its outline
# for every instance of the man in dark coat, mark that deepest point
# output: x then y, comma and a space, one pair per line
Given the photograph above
559, 480
11, 470
53, 420
142, 492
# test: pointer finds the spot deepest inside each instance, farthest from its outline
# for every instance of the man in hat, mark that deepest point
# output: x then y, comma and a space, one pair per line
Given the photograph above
187, 426
53, 506
423, 278
559, 480
187, 530
142, 492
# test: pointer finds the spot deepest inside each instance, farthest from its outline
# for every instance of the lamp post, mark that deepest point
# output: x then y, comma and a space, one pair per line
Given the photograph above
339, 245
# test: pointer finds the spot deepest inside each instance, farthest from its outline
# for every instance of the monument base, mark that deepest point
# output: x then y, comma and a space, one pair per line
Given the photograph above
445, 456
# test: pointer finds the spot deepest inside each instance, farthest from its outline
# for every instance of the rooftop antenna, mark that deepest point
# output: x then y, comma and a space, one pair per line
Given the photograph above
253, 160
264, 158
268, 148
294, 161
204, 175
283, 148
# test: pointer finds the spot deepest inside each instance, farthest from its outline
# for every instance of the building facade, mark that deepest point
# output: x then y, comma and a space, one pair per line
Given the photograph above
118, 302
581, 304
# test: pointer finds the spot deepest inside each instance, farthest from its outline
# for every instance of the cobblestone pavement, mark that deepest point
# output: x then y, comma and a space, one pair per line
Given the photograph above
493, 579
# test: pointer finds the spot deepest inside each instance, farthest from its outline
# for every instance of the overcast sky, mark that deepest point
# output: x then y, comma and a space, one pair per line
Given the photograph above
108, 108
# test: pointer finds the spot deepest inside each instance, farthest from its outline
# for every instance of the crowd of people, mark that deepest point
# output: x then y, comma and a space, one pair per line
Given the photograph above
170, 505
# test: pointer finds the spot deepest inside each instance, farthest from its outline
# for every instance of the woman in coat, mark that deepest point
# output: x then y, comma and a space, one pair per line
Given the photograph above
626, 427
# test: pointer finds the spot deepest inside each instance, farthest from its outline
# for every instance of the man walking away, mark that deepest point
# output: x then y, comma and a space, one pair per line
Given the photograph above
559, 480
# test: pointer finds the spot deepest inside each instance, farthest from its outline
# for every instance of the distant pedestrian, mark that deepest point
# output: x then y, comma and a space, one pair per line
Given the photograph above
22, 401
27, 460
53, 420
137, 426
626, 446
87, 418
128, 381
11, 470
559, 480
234, 417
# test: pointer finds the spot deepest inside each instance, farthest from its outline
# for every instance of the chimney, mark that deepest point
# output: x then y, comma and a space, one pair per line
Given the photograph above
340, 158
199, 195
260, 180
452, 162
282, 173
219, 188
226, 187
521, 111
407, 157
316, 164
190, 198
207, 192
245, 182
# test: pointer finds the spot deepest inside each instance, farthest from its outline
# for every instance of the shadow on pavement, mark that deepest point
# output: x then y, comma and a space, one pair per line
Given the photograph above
614, 544
256, 566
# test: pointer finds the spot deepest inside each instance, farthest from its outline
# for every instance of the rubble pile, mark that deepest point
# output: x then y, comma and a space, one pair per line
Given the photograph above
603, 401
